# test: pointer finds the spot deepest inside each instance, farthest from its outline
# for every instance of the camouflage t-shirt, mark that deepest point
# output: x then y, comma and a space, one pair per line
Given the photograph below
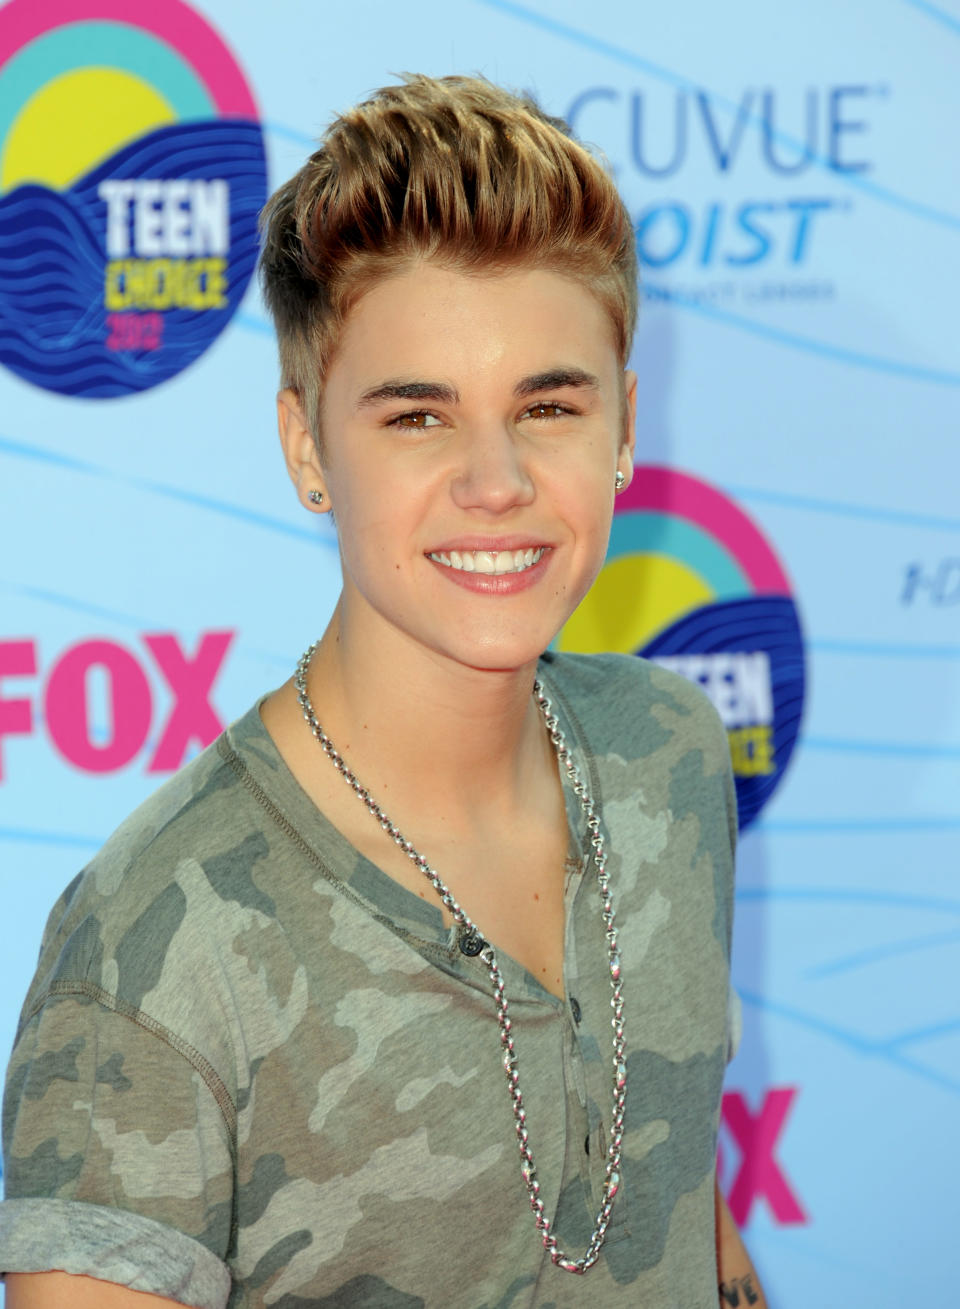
254, 1070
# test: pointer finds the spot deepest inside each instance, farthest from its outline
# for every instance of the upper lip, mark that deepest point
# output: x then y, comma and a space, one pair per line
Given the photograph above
489, 543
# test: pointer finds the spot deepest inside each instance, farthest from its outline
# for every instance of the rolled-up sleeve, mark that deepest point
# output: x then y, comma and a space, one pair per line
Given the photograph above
118, 1155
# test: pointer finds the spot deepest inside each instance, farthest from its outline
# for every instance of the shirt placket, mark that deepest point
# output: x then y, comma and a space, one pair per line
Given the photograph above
589, 1050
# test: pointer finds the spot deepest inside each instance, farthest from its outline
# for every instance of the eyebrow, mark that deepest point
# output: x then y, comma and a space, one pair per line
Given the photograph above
397, 390
554, 378
550, 380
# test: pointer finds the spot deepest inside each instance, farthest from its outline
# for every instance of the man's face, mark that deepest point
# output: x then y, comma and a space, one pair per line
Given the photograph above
472, 428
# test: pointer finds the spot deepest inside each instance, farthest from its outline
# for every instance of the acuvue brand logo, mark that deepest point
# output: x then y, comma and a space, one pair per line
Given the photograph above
756, 192
691, 583
132, 171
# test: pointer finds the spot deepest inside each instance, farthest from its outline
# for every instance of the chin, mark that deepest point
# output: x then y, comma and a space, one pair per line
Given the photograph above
501, 657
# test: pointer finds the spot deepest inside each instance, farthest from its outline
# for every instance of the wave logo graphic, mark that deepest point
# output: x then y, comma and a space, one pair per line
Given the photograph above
132, 171
691, 583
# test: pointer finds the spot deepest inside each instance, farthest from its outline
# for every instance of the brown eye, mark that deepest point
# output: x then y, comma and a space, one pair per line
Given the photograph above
546, 409
416, 419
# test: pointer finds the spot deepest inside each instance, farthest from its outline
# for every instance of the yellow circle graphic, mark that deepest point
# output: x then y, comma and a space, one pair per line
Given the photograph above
635, 597
76, 120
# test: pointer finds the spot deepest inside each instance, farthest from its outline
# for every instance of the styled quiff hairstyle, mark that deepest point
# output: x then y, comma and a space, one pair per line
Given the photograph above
451, 169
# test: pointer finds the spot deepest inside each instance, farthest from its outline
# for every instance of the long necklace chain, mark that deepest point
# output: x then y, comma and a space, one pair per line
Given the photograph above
471, 933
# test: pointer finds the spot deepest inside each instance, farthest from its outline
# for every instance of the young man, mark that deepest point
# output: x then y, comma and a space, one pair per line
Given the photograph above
452, 1034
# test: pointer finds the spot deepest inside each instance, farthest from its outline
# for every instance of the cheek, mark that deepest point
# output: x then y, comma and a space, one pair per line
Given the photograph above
375, 536
589, 497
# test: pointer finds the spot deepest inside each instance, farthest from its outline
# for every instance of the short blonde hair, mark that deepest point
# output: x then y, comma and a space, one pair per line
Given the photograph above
453, 169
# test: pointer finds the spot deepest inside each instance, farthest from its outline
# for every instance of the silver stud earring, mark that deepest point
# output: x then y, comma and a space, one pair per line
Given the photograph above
620, 481
315, 497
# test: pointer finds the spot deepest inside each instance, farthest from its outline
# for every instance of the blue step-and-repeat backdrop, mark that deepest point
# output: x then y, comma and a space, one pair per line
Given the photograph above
792, 540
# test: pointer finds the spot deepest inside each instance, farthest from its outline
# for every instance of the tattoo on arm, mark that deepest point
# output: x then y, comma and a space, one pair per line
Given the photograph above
741, 1291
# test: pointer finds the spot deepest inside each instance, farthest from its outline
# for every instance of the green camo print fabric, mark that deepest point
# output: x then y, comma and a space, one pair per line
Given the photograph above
254, 1070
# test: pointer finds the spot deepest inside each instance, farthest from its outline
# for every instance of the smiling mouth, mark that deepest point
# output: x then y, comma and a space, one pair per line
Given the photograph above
491, 562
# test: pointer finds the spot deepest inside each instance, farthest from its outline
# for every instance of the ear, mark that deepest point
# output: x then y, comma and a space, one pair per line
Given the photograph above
629, 438
300, 451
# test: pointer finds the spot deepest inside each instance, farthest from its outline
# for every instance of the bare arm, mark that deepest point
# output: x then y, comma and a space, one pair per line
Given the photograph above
54, 1290
738, 1284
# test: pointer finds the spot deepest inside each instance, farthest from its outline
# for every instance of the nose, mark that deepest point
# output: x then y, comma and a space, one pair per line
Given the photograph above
492, 475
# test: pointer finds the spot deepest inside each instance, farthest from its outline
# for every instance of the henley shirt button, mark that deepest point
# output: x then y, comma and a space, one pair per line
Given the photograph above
470, 943
575, 1009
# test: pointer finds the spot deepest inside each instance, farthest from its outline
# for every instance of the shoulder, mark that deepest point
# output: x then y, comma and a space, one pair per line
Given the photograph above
164, 875
626, 702
650, 734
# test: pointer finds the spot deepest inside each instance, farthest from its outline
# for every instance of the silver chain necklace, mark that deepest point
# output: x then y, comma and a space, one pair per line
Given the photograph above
477, 945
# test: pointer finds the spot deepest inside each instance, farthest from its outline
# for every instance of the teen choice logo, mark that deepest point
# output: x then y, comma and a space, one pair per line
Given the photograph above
691, 583
132, 171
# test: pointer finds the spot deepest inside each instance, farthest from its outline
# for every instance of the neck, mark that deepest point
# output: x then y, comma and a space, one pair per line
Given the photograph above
418, 724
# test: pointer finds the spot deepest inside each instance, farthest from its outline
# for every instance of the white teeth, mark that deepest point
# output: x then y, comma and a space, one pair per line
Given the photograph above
490, 562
